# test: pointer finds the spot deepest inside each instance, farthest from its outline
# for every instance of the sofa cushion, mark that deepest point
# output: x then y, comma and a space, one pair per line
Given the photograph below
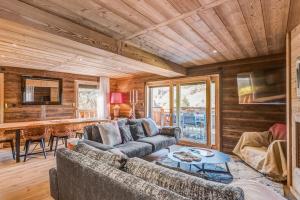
181, 183
125, 134
150, 127
135, 149
110, 133
111, 159
96, 134
96, 145
159, 141
137, 131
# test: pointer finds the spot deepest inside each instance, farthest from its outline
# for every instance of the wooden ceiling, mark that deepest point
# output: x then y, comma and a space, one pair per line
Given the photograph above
185, 32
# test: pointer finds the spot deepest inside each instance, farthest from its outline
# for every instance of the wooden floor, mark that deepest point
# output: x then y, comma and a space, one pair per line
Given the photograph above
25, 181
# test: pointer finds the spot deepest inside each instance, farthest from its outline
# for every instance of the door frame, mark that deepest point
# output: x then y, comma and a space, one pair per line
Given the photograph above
189, 80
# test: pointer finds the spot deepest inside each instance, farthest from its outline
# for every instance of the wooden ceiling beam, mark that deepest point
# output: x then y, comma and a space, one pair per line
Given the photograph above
177, 18
22, 13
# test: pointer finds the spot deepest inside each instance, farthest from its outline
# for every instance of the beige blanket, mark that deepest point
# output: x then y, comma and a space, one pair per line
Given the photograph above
259, 151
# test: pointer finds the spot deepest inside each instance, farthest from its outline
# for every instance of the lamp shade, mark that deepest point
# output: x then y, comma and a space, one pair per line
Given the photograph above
116, 97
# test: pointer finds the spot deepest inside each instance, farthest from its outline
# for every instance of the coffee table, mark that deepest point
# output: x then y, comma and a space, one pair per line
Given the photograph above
217, 158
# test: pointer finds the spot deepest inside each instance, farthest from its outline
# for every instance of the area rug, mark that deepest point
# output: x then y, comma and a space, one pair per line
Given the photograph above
238, 171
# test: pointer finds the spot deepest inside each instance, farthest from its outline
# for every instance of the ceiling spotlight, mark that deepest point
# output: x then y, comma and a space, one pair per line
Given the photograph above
80, 59
2, 56
14, 45
119, 68
215, 51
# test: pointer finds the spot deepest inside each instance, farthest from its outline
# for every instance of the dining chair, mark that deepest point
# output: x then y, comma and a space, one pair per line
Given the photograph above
10, 140
34, 135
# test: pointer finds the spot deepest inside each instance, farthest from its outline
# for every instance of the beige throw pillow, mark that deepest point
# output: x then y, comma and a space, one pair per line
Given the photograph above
150, 127
110, 133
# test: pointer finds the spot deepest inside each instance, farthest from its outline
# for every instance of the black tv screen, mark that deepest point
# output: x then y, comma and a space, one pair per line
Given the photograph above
41, 91
262, 87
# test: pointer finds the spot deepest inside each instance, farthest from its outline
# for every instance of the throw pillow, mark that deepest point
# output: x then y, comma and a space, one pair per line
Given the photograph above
125, 134
110, 133
137, 131
150, 127
278, 131
96, 134
112, 159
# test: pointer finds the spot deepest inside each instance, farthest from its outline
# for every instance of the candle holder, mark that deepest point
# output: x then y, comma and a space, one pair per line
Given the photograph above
133, 101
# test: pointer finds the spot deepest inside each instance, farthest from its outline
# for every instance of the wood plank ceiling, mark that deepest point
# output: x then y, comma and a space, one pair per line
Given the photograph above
186, 32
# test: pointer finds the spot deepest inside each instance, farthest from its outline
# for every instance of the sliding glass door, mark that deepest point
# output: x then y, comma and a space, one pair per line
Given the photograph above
192, 115
159, 105
188, 103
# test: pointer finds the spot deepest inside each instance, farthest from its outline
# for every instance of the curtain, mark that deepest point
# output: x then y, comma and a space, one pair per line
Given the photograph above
103, 108
29, 96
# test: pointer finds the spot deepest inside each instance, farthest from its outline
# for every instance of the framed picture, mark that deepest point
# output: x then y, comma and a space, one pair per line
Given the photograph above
298, 76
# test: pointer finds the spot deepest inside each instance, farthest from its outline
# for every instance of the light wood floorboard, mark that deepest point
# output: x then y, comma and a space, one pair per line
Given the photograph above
26, 181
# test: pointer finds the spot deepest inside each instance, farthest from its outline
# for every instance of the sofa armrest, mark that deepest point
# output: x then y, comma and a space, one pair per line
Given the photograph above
171, 131
97, 145
53, 183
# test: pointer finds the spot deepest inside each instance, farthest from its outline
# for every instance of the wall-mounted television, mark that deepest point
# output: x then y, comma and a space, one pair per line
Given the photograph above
41, 91
266, 86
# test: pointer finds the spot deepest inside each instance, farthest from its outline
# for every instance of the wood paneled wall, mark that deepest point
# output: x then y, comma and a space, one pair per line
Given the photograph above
293, 50
14, 110
235, 118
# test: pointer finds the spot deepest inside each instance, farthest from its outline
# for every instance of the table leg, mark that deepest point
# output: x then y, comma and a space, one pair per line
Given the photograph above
18, 145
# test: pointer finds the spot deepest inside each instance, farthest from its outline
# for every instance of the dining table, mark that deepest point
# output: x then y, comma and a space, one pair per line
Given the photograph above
17, 127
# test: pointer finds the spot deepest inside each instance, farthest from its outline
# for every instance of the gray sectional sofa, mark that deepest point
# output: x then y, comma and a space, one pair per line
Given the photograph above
88, 173
141, 145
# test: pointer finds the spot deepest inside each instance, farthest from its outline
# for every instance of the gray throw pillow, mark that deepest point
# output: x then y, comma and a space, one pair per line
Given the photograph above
150, 127
137, 131
126, 134
110, 133
112, 159
96, 134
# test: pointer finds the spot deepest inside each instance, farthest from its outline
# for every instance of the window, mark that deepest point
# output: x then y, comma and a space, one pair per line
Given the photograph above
87, 99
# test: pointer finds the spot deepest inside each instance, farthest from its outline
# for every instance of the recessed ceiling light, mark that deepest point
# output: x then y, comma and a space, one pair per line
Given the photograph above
14, 45
215, 51
80, 59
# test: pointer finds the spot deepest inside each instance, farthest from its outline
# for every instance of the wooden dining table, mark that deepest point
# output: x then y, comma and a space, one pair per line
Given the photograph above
16, 127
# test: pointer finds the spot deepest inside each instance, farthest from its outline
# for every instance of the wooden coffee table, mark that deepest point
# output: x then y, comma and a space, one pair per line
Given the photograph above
217, 158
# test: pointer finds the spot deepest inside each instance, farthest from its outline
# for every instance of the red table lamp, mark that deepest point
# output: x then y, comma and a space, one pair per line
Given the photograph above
116, 98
